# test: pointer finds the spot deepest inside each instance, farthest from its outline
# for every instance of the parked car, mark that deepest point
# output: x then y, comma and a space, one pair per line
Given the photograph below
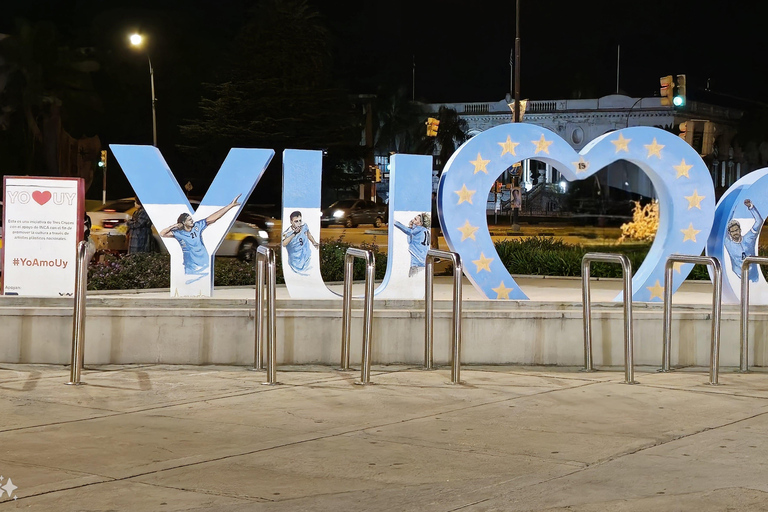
351, 212
109, 229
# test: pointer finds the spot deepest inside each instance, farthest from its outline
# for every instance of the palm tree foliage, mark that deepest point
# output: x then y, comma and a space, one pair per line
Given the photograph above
452, 133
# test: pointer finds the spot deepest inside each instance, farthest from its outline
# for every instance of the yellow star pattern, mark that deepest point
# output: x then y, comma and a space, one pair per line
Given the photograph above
621, 143
694, 200
656, 291
465, 195
678, 266
582, 165
690, 233
483, 263
468, 231
682, 169
502, 292
508, 146
542, 145
480, 164
653, 149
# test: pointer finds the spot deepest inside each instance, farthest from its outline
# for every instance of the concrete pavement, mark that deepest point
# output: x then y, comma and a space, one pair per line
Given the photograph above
172, 438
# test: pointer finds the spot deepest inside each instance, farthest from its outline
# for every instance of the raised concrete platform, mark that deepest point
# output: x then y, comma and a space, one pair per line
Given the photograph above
151, 327
161, 438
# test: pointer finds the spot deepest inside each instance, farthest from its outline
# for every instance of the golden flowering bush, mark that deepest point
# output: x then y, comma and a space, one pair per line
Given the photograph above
645, 222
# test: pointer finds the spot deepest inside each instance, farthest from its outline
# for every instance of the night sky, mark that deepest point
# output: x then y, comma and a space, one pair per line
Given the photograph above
461, 49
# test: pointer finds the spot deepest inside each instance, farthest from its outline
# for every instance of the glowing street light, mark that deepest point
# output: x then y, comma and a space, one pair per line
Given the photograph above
138, 41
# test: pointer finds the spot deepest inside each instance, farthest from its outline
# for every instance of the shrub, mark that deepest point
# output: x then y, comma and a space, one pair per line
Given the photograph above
152, 270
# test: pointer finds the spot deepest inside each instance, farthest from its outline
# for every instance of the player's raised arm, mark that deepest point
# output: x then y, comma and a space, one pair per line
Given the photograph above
220, 213
168, 232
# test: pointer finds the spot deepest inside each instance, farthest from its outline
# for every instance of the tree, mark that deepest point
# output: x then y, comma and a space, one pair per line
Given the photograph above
451, 134
397, 124
46, 93
277, 91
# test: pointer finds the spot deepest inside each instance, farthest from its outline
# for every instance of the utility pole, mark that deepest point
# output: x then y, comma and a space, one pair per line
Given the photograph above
618, 62
517, 61
516, 179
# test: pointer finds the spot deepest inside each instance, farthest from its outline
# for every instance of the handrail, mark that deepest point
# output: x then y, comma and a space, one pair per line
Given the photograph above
78, 318
265, 256
749, 260
714, 361
626, 272
370, 268
433, 254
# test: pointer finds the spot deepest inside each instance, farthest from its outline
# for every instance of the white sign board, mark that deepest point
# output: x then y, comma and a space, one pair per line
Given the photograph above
42, 224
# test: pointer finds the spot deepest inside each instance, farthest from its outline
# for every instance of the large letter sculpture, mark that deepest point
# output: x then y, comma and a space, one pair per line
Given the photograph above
680, 177
409, 212
191, 237
739, 218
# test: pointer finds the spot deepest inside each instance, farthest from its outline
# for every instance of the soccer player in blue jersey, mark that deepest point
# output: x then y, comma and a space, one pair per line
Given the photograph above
418, 241
738, 246
296, 240
189, 234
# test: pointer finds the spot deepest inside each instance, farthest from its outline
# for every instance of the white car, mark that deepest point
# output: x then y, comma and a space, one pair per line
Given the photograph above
109, 228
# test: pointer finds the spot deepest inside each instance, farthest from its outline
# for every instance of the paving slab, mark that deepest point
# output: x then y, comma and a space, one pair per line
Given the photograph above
158, 437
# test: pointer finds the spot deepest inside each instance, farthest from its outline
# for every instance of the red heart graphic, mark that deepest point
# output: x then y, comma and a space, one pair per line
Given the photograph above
41, 197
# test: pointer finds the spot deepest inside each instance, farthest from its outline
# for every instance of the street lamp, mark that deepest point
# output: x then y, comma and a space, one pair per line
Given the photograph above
137, 40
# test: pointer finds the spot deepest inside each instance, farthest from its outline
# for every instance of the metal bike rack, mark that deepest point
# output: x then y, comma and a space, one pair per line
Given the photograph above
265, 256
626, 271
432, 255
370, 268
749, 260
78, 318
714, 361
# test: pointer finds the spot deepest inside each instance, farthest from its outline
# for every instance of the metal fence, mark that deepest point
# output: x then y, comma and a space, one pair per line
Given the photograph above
78, 317
626, 271
370, 269
432, 255
748, 261
714, 361
265, 256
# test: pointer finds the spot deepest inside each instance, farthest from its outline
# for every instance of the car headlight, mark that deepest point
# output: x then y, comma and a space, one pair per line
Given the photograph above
338, 214
263, 234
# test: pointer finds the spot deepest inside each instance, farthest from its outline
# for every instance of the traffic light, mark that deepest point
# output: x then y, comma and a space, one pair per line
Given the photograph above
103, 162
667, 90
432, 126
679, 97
378, 174
686, 131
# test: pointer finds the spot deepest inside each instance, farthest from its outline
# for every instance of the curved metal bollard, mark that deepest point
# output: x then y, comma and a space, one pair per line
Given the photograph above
432, 255
714, 361
370, 268
749, 260
626, 272
265, 256
78, 318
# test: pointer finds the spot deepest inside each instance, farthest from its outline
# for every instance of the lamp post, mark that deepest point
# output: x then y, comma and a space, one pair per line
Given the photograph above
137, 40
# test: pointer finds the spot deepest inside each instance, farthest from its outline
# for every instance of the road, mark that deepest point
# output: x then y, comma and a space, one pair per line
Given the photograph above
585, 235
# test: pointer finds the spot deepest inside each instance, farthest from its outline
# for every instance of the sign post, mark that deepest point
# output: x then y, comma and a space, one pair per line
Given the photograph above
42, 225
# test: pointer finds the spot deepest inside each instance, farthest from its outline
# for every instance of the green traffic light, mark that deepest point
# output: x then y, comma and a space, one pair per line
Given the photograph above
101, 164
678, 101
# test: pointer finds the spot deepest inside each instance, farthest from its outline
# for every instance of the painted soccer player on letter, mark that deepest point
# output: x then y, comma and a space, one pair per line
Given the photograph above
738, 246
189, 234
296, 240
418, 240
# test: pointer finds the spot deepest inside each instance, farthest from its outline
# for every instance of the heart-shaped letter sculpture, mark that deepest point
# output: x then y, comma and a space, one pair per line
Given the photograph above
681, 179
744, 205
